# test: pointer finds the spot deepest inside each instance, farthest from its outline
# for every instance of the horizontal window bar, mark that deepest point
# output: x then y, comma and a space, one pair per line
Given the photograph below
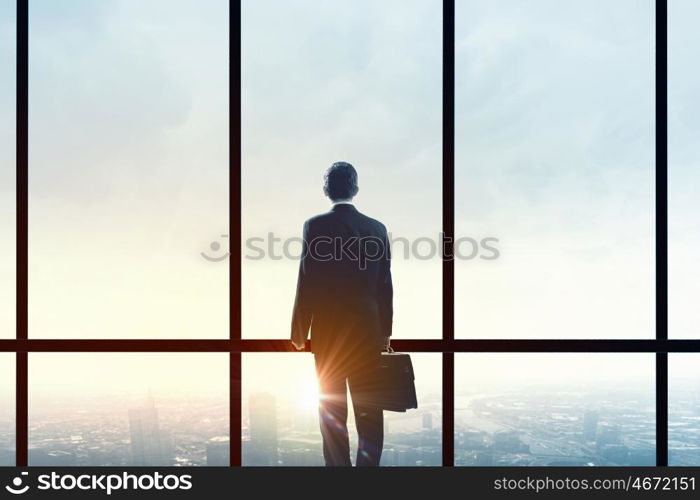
410, 345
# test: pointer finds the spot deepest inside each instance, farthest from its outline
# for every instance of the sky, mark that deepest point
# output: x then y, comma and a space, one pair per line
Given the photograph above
128, 168
554, 156
343, 81
127, 375
684, 165
7, 169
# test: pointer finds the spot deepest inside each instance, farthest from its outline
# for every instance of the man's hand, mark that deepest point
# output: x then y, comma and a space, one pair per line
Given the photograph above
299, 346
385, 343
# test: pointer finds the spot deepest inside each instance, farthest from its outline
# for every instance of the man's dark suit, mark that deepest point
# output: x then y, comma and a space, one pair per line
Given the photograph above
344, 294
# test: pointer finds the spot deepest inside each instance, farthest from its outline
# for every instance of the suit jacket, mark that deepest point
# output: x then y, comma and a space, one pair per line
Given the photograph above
344, 290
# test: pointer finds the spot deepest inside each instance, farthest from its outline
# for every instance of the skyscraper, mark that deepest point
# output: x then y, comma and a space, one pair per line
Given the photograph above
146, 447
427, 421
218, 451
608, 434
590, 425
263, 430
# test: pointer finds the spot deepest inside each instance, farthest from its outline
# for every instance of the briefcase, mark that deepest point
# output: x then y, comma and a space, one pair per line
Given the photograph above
398, 389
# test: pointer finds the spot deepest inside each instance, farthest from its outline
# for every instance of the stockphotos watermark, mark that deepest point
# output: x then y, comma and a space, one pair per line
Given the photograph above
104, 483
362, 249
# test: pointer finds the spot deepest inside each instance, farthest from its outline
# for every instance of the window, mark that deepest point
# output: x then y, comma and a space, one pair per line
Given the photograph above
133, 409
280, 414
7, 170
683, 410
7, 410
128, 168
554, 167
684, 160
411, 83
354, 81
555, 409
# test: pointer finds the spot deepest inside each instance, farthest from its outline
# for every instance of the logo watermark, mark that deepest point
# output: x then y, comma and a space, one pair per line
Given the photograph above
16, 487
107, 483
362, 249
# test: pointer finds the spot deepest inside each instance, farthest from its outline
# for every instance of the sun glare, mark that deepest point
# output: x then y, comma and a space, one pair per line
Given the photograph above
308, 396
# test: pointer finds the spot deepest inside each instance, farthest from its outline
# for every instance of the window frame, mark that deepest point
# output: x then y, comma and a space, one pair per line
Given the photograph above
661, 345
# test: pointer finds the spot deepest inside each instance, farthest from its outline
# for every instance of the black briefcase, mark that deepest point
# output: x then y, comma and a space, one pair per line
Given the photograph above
398, 389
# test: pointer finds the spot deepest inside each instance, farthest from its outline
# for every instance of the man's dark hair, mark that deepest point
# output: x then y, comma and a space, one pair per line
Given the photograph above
340, 181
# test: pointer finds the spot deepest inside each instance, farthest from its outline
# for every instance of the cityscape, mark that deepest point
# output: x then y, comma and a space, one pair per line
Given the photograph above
110, 432
538, 428
684, 425
277, 432
556, 428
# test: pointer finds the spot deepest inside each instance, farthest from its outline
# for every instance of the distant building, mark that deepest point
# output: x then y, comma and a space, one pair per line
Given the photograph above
300, 451
472, 439
508, 441
615, 453
51, 458
146, 446
641, 457
7, 456
167, 447
483, 458
403, 458
608, 434
398, 457
590, 425
388, 457
263, 448
427, 421
218, 449
305, 422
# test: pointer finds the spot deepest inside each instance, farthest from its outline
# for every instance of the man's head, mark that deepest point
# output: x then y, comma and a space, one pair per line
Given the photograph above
340, 182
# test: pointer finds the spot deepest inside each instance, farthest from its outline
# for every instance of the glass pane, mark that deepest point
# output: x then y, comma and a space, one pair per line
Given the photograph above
128, 168
7, 409
554, 158
555, 409
8, 48
683, 409
128, 409
280, 414
683, 165
353, 81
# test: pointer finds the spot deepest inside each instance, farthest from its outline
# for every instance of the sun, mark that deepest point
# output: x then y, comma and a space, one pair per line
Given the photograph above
308, 396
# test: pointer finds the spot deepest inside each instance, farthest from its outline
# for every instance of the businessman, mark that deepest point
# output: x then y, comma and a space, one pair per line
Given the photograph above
344, 296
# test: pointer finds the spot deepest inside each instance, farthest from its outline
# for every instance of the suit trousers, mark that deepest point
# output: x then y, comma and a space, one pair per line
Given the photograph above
358, 370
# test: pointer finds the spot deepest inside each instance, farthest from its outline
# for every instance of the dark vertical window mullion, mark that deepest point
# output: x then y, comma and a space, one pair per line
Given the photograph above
22, 200
235, 420
661, 231
448, 222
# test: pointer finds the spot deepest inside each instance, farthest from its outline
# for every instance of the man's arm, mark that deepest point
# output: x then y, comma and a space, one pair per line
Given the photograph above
302, 315
386, 294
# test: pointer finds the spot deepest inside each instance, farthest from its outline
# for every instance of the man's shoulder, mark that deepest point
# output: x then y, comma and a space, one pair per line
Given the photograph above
379, 225
311, 221
330, 218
